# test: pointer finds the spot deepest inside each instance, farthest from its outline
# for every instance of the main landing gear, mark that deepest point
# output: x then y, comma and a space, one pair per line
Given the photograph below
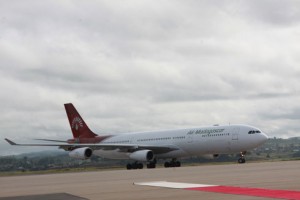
173, 163
242, 159
151, 164
135, 165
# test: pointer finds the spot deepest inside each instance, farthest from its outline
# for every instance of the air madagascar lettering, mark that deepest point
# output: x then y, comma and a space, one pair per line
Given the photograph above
205, 131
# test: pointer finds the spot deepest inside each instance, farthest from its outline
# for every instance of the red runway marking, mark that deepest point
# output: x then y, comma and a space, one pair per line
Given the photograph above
259, 192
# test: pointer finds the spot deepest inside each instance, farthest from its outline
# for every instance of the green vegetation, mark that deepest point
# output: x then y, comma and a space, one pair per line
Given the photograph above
60, 162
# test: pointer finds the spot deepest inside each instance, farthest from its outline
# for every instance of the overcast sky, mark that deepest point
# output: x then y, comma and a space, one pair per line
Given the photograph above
148, 65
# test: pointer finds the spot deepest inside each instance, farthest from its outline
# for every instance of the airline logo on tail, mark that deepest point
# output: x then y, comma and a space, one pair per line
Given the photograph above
76, 123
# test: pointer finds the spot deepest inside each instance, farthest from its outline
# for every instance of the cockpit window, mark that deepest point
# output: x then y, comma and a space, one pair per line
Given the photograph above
253, 132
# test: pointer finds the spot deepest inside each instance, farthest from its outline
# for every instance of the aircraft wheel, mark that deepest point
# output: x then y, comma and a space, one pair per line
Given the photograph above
167, 164
151, 166
140, 166
134, 166
241, 160
129, 167
177, 164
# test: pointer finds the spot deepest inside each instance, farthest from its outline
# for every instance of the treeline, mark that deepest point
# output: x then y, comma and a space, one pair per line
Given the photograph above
26, 162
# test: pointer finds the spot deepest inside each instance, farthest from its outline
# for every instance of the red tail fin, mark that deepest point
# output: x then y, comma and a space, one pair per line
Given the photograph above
77, 124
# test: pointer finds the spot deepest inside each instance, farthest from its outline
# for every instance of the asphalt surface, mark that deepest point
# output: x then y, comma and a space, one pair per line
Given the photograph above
53, 196
118, 184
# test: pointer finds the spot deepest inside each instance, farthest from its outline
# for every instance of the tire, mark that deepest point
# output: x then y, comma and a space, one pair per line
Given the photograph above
241, 160
151, 165
177, 164
129, 167
140, 166
134, 166
167, 164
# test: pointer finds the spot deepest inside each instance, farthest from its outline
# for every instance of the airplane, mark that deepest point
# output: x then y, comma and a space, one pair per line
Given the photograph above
148, 147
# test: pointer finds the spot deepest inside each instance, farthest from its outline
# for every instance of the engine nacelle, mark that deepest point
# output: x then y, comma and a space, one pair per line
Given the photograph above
142, 155
210, 156
81, 153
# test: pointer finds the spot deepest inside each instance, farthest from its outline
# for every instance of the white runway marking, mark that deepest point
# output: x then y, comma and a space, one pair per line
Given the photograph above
175, 185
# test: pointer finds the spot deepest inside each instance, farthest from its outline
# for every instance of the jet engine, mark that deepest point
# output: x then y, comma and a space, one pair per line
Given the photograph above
81, 153
142, 155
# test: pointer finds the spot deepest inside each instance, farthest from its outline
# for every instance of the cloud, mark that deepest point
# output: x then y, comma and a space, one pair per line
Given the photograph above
143, 66
274, 12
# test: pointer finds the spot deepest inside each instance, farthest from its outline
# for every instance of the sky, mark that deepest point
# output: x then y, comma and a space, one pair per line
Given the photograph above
140, 65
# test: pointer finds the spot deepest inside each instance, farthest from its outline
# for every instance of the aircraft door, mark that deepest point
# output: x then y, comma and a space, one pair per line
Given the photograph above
235, 133
233, 142
190, 136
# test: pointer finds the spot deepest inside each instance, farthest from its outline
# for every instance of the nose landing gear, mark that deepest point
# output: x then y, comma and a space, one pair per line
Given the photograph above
242, 159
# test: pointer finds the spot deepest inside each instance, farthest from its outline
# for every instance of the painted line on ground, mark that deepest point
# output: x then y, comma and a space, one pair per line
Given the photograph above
174, 185
257, 192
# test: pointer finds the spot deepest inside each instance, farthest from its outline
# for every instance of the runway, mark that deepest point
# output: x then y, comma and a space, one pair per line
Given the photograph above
118, 184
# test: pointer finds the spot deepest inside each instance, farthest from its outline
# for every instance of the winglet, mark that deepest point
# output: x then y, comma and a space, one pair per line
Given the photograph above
10, 142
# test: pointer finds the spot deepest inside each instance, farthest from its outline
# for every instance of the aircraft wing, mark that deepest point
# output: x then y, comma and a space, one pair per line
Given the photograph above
105, 146
64, 141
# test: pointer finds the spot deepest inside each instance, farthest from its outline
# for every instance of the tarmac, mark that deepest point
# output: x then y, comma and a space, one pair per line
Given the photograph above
119, 184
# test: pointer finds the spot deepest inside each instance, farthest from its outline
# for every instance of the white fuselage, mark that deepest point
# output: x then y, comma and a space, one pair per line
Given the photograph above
191, 142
